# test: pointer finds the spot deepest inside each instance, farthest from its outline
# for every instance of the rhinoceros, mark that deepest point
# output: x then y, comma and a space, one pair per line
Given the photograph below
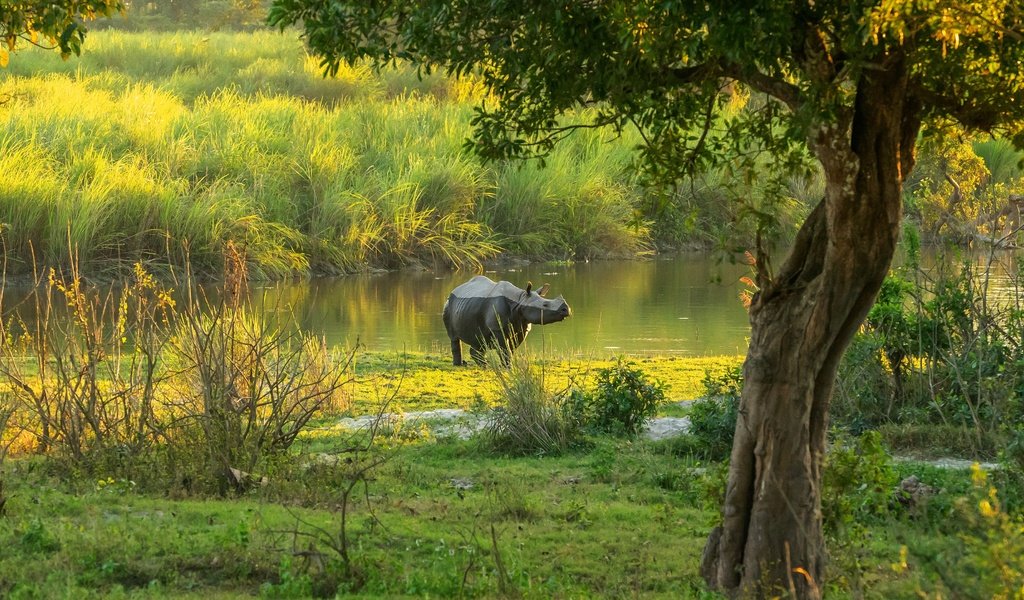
488, 314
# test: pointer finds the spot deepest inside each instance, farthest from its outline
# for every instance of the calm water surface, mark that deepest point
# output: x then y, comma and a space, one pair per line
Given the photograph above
685, 305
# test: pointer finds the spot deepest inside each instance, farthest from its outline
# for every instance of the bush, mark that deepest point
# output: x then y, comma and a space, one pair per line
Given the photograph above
939, 440
6, 410
249, 385
990, 561
713, 418
858, 481
623, 400
863, 390
531, 419
534, 420
939, 349
83, 385
127, 383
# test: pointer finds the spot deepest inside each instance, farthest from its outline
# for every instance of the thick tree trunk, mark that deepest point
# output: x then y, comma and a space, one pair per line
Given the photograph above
802, 320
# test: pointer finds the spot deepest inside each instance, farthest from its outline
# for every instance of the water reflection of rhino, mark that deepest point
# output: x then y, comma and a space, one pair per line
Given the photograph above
487, 314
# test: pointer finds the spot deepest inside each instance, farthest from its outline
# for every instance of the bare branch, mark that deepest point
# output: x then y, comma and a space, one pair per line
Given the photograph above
709, 119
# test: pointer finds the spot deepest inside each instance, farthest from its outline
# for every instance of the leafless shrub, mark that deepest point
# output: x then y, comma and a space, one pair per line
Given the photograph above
105, 376
347, 472
6, 410
250, 385
82, 364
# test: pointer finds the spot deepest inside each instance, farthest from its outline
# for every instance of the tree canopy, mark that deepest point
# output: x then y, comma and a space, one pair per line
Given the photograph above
56, 24
664, 66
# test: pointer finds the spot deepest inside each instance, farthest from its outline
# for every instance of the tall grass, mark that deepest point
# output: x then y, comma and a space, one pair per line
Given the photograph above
1002, 159
151, 141
532, 419
581, 203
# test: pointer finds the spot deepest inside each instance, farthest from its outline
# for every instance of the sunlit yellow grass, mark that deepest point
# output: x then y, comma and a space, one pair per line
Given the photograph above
205, 138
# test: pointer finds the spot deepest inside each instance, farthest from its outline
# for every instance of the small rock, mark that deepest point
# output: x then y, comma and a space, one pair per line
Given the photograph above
462, 484
666, 427
913, 494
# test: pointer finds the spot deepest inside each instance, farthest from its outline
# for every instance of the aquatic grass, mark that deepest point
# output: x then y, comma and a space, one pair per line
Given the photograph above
28, 188
430, 380
583, 203
392, 229
449, 183
193, 64
407, 82
520, 209
600, 212
79, 224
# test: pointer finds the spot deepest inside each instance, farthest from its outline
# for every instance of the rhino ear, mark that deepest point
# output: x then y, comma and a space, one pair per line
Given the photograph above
529, 286
543, 291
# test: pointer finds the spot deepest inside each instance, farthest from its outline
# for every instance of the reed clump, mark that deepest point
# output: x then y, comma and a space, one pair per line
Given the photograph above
152, 141
531, 418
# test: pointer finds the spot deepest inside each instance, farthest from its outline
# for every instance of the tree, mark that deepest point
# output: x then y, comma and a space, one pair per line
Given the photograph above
54, 24
853, 82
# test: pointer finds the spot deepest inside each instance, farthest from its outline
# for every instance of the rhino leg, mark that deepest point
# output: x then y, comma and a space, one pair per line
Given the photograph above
457, 352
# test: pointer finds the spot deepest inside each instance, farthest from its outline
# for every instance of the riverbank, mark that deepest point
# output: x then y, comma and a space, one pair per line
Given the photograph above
441, 517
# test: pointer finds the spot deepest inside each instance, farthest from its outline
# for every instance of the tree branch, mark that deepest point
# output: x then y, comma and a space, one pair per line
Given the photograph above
27, 38
973, 14
782, 90
983, 117
709, 119
695, 74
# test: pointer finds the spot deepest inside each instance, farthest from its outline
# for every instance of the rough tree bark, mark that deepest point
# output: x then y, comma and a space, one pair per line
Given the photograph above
802, 320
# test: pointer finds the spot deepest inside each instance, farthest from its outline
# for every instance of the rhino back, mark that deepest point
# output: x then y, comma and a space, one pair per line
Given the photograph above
484, 287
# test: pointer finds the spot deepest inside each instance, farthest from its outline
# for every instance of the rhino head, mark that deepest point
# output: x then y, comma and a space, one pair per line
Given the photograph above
534, 308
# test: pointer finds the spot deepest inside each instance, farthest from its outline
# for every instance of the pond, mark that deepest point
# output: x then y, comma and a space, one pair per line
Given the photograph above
686, 305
